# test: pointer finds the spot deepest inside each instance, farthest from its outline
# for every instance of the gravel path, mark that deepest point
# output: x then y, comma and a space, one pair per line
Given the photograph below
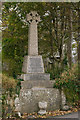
71, 115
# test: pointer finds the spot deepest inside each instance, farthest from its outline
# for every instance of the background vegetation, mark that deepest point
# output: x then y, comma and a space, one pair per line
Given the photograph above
57, 30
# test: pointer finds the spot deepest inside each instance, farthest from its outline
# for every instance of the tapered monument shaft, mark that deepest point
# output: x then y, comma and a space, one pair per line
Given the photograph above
33, 39
33, 18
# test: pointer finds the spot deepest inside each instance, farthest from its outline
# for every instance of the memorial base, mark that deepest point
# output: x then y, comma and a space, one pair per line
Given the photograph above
33, 92
29, 99
37, 87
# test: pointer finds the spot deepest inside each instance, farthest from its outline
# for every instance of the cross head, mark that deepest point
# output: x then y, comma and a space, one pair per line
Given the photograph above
33, 16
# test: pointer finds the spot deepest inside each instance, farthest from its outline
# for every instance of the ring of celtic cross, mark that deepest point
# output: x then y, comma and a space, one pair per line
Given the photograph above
33, 16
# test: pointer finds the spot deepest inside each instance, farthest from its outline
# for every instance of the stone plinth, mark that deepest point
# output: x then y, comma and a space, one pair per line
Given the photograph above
29, 99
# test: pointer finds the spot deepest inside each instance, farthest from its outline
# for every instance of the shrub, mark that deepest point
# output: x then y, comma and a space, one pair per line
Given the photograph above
8, 82
68, 80
8, 96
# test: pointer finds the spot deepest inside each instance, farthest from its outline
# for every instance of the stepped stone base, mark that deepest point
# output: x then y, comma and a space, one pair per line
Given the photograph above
35, 76
29, 99
37, 87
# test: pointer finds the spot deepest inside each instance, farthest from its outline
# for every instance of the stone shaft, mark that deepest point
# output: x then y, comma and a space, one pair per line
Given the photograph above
33, 39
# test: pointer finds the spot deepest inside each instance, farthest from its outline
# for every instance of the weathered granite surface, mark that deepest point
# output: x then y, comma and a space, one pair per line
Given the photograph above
29, 99
42, 106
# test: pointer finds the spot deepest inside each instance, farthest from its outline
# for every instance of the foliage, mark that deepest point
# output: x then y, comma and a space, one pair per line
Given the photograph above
8, 82
8, 95
55, 71
68, 81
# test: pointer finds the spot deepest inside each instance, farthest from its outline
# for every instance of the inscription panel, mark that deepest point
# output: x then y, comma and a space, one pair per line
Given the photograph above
35, 65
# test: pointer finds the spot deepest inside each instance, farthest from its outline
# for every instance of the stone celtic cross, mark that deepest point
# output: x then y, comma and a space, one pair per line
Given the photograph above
33, 18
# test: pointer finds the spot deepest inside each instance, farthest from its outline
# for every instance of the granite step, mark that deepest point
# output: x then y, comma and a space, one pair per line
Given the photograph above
37, 83
36, 76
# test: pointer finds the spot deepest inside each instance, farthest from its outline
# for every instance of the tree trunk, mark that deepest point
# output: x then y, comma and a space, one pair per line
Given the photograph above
69, 42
